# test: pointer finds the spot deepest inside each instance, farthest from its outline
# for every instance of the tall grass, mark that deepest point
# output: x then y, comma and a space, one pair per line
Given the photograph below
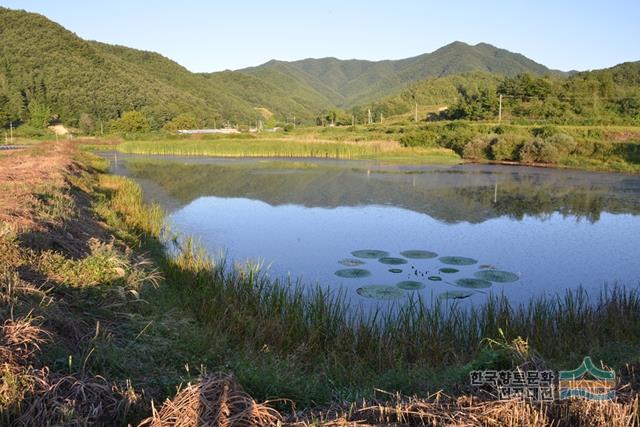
319, 337
253, 147
249, 148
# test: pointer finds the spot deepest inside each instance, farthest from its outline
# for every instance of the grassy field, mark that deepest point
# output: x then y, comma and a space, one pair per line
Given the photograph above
90, 294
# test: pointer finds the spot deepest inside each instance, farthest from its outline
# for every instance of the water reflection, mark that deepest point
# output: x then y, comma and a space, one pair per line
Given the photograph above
473, 193
555, 229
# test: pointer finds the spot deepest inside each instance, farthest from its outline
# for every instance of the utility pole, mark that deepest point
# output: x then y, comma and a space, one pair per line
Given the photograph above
11, 131
353, 120
294, 121
416, 113
500, 110
369, 118
381, 117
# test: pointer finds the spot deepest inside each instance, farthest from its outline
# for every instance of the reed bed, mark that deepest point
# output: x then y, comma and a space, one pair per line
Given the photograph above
251, 148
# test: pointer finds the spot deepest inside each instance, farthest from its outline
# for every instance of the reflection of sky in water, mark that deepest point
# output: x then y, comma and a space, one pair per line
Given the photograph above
550, 254
557, 228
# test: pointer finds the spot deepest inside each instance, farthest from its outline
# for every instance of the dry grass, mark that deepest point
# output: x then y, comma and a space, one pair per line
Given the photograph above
22, 173
20, 340
442, 410
218, 401
49, 236
215, 400
75, 401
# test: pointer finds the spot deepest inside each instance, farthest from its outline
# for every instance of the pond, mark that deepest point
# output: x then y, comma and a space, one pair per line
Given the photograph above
382, 232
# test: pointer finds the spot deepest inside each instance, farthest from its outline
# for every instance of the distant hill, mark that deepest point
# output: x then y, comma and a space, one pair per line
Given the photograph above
43, 64
351, 82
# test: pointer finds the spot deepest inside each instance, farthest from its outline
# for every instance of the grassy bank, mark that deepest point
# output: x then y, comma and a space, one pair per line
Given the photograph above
605, 148
257, 147
89, 293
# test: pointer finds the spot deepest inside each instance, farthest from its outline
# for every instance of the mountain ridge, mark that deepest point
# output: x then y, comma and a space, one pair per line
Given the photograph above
43, 62
359, 81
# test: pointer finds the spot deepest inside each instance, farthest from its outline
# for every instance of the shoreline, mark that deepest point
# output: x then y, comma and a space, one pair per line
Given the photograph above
122, 313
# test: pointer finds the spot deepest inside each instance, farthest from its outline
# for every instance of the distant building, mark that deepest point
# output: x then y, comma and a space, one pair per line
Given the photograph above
203, 131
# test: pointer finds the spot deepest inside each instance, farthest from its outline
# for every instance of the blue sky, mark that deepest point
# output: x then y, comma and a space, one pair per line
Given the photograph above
212, 35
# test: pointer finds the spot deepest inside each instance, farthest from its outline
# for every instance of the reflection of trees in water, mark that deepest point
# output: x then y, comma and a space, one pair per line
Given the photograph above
451, 197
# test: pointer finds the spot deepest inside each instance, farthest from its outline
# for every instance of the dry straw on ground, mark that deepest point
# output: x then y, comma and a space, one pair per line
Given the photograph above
216, 400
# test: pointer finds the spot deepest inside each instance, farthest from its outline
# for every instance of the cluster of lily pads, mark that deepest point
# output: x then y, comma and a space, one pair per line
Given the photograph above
483, 278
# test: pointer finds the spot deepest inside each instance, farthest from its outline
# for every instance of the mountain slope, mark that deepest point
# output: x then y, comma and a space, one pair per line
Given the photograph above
350, 82
42, 62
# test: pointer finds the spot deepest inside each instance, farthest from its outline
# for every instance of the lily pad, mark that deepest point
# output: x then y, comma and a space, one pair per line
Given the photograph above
418, 254
435, 278
350, 262
448, 270
369, 253
380, 292
473, 283
352, 273
497, 276
392, 260
455, 295
410, 285
457, 260
395, 270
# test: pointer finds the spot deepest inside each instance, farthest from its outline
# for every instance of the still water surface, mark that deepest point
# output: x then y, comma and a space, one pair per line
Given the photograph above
555, 229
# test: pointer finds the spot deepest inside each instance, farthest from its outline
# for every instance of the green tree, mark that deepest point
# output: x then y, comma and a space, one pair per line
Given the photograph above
475, 106
86, 123
39, 114
5, 115
131, 122
181, 121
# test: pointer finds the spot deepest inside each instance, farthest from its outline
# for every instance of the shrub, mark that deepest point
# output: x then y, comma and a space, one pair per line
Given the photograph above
131, 122
476, 149
503, 129
505, 147
455, 136
86, 124
419, 139
539, 151
39, 114
28, 131
544, 131
564, 143
181, 121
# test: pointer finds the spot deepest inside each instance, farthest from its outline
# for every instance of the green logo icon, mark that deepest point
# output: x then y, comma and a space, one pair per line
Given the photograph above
587, 381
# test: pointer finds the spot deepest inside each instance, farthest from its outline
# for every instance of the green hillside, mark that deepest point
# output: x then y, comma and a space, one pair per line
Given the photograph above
49, 72
347, 83
43, 65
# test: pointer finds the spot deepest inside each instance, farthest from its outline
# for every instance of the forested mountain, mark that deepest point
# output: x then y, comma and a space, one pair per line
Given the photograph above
347, 83
47, 71
44, 67
606, 96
